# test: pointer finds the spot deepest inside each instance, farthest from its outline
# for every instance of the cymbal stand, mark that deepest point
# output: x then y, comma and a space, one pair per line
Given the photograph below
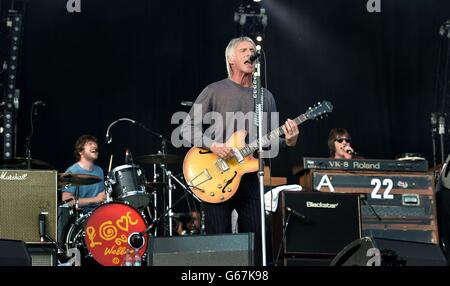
136, 239
163, 167
187, 192
108, 189
155, 197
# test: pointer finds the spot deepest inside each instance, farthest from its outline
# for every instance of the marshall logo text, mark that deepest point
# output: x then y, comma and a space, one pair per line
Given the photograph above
12, 177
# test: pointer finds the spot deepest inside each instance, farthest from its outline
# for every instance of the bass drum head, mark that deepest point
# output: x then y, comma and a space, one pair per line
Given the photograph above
103, 234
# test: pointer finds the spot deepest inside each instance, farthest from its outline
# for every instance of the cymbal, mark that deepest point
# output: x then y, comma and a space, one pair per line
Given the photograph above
21, 163
77, 179
158, 159
155, 185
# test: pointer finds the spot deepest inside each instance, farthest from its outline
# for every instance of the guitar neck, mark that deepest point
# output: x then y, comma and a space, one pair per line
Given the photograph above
266, 139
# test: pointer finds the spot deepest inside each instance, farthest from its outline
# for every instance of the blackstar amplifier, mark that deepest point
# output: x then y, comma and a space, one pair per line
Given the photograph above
24, 195
394, 205
318, 224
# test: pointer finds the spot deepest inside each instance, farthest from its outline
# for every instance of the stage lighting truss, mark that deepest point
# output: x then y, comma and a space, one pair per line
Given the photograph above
10, 61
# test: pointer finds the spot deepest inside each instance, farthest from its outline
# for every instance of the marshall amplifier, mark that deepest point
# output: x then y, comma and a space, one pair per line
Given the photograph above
394, 205
24, 196
317, 224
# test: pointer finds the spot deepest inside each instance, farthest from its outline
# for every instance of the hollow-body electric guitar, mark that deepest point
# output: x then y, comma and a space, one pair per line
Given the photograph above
215, 180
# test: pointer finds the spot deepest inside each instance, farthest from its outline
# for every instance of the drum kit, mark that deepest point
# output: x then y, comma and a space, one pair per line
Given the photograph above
103, 235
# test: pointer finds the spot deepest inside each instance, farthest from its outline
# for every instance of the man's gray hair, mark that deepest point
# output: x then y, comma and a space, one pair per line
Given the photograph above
231, 48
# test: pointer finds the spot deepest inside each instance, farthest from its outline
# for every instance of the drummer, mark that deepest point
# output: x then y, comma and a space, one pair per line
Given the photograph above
88, 196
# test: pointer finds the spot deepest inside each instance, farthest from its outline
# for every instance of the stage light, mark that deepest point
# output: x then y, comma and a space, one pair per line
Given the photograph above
258, 47
252, 20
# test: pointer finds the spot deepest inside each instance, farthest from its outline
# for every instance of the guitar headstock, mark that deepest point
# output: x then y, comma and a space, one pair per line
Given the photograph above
320, 109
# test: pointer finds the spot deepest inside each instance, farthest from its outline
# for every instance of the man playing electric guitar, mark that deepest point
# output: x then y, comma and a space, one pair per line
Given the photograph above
231, 95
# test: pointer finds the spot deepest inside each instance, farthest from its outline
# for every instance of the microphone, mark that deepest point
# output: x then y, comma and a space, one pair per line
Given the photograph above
181, 215
136, 240
297, 214
108, 137
42, 219
187, 103
444, 30
35, 104
128, 157
441, 125
352, 152
433, 122
39, 103
254, 57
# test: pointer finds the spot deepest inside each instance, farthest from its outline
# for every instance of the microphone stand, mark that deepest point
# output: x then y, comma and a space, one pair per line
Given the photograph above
366, 202
259, 101
28, 145
108, 134
441, 131
165, 177
433, 135
286, 223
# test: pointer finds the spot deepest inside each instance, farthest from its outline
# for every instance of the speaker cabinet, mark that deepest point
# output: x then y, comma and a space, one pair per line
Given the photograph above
14, 253
319, 223
369, 251
206, 250
24, 194
42, 254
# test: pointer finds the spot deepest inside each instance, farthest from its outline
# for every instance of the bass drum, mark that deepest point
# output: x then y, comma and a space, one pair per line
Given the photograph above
102, 235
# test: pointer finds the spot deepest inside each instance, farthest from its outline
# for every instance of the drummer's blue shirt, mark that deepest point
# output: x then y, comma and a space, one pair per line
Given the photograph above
87, 191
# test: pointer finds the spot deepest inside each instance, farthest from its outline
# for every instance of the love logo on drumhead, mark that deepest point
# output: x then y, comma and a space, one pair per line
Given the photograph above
107, 232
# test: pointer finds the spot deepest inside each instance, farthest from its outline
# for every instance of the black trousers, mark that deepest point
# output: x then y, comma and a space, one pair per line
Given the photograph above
247, 204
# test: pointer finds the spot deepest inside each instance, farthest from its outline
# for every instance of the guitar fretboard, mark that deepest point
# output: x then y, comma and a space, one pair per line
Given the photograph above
266, 139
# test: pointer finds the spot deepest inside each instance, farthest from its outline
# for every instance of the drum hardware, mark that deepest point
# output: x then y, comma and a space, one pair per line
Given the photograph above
137, 239
155, 185
158, 159
103, 234
72, 179
66, 180
127, 183
21, 163
162, 159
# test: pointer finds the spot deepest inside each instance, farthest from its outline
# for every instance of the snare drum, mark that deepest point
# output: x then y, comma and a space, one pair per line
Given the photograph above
103, 234
128, 184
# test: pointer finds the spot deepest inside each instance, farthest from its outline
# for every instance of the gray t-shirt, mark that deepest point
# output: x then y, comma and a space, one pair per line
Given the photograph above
226, 107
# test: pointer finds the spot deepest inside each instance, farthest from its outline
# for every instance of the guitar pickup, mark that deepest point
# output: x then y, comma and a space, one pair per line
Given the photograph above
222, 165
238, 155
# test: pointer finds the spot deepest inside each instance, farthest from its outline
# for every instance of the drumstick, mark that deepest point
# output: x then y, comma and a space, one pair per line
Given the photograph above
110, 164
